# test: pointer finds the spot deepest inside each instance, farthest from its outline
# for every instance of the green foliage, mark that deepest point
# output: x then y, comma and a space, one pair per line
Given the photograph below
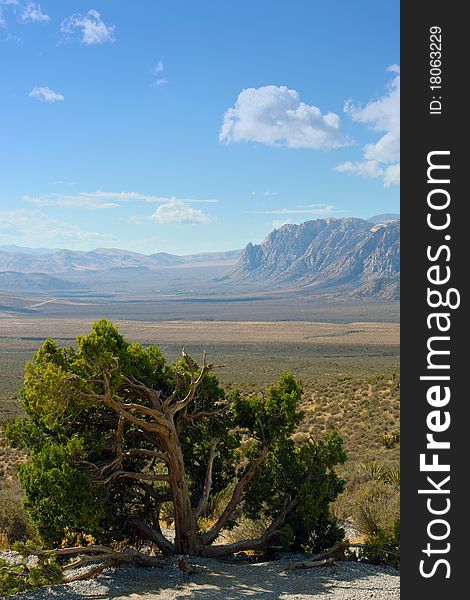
67, 428
386, 473
390, 440
289, 468
22, 577
59, 494
272, 416
383, 547
372, 502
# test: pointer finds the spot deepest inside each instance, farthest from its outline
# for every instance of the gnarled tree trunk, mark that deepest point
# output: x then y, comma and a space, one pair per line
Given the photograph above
160, 420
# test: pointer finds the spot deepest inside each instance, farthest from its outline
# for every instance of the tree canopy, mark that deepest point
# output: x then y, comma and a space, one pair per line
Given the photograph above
122, 441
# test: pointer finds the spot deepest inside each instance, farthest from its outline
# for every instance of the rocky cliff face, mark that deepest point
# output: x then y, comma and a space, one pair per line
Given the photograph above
344, 254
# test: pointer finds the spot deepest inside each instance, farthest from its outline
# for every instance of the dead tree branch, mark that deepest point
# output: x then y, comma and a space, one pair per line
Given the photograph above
213, 454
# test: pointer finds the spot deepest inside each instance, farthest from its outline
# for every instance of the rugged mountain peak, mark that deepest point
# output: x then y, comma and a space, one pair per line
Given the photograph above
325, 254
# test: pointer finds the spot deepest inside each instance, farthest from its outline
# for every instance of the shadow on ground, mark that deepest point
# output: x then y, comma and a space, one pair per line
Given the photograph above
218, 580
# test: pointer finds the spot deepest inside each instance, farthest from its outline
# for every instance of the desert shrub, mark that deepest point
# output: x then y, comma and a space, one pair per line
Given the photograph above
375, 506
15, 523
383, 547
390, 440
247, 529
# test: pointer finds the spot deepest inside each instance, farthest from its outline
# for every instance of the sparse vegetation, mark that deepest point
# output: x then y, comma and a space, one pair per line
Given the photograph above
352, 389
116, 434
15, 523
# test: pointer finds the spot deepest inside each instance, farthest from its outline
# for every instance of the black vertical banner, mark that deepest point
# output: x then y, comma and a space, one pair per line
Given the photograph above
435, 257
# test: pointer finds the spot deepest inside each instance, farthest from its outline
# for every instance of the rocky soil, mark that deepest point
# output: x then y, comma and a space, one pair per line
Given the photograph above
234, 579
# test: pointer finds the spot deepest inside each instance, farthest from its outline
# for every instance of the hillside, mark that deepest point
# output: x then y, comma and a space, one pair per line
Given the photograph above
59, 262
38, 282
347, 256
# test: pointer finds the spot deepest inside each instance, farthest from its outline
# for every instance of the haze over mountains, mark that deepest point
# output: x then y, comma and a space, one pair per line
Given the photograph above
348, 256
102, 259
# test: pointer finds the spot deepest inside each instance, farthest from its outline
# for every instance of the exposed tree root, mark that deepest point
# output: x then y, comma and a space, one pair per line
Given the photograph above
327, 558
98, 557
326, 562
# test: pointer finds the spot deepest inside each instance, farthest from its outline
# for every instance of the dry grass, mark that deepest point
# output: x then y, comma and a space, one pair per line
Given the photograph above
186, 332
10, 458
15, 524
366, 411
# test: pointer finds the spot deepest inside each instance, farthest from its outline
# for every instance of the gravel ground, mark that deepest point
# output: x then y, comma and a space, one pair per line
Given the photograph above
233, 580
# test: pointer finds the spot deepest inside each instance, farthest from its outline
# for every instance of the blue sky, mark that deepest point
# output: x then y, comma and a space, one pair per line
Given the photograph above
181, 126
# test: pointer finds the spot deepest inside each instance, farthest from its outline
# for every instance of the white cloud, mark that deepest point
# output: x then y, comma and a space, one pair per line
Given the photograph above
275, 116
372, 169
136, 220
381, 159
45, 94
277, 223
90, 26
266, 194
32, 12
157, 71
3, 22
101, 199
369, 168
31, 227
176, 211
83, 202
306, 209
392, 175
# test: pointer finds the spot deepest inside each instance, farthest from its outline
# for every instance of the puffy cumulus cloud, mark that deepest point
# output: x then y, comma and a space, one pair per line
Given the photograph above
392, 175
372, 169
382, 114
32, 12
176, 211
368, 168
275, 115
381, 159
90, 26
45, 94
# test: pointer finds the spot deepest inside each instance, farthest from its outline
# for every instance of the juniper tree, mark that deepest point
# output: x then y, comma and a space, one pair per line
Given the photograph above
119, 439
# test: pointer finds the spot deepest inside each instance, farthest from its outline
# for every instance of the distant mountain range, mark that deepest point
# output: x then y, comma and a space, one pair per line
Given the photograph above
24, 250
348, 257
62, 262
342, 256
383, 218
